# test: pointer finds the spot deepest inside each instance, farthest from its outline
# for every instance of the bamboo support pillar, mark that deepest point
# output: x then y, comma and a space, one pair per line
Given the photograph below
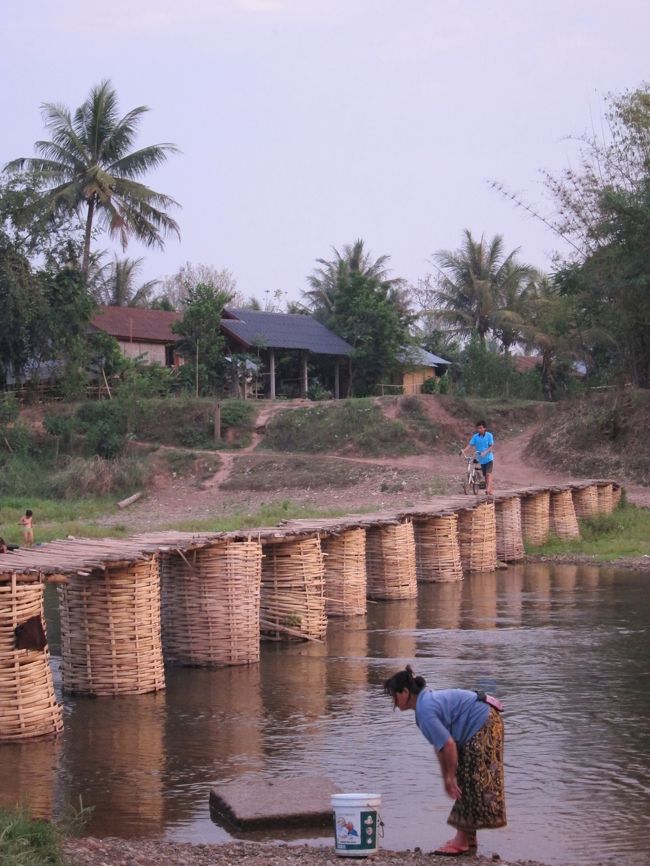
585, 500
535, 517
345, 573
510, 539
605, 499
437, 552
292, 597
564, 523
110, 630
210, 604
477, 537
390, 560
28, 706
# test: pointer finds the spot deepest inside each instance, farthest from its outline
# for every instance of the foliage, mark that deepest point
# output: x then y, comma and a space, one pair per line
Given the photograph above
487, 374
24, 842
114, 284
342, 426
88, 167
176, 288
201, 340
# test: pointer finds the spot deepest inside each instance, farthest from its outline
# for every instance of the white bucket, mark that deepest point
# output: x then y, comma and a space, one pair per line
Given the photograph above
355, 824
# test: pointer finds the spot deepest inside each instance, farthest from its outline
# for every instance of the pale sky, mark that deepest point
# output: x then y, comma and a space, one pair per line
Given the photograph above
305, 124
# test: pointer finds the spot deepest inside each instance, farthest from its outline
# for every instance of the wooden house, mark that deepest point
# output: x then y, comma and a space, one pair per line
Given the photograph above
418, 365
141, 332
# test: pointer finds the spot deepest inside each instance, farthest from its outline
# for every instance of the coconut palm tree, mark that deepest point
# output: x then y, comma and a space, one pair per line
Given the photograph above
477, 284
115, 284
88, 167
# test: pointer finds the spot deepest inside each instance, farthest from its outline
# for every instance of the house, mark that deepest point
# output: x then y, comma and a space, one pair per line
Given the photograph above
269, 334
418, 365
141, 332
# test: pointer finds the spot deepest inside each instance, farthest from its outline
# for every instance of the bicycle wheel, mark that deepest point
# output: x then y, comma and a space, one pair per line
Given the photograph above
465, 487
475, 485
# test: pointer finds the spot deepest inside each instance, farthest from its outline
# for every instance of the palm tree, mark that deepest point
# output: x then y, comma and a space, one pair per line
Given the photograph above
476, 285
116, 286
88, 167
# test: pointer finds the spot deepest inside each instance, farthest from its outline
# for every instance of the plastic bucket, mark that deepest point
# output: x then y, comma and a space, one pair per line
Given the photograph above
355, 824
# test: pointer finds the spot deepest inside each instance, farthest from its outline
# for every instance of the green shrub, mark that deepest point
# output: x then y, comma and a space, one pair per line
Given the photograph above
430, 386
24, 842
97, 476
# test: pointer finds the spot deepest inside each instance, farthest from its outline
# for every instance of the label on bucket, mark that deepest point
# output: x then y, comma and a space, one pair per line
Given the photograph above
356, 829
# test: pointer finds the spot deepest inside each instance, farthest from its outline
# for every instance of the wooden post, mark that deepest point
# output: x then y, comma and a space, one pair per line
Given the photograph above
337, 381
304, 381
217, 422
196, 370
272, 374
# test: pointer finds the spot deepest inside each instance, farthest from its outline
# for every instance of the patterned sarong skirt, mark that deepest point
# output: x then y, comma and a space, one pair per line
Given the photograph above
481, 779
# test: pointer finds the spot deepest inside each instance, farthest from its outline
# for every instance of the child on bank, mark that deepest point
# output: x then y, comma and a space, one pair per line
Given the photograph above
27, 523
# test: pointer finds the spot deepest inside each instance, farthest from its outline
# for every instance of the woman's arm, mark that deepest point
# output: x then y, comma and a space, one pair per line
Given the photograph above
448, 760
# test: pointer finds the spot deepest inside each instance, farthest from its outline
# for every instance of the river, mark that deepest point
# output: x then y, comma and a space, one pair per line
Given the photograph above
565, 647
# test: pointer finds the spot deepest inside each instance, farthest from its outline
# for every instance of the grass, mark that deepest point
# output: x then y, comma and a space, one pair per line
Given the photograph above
57, 518
606, 537
346, 426
25, 842
266, 473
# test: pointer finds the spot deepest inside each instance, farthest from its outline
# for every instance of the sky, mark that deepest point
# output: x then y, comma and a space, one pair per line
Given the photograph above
306, 124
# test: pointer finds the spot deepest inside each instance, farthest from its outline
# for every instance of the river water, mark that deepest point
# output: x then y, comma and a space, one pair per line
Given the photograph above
567, 648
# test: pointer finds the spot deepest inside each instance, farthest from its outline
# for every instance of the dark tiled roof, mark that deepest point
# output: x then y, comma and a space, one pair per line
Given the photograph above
282, 331
133, 323
418, 357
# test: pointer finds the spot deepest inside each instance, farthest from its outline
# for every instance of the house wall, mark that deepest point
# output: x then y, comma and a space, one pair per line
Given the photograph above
154, 352
412, 379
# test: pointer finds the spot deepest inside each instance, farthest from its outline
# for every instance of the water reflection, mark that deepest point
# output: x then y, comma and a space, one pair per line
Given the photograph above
565, 646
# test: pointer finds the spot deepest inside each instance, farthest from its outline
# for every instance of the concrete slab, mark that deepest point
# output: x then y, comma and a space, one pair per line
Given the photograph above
303, 801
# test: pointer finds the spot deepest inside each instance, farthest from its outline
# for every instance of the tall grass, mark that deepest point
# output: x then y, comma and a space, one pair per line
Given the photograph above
25, 842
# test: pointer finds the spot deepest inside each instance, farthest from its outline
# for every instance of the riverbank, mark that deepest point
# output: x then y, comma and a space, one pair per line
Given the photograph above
120, 852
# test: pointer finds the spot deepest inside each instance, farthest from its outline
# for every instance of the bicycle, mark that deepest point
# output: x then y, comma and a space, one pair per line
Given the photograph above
474, 479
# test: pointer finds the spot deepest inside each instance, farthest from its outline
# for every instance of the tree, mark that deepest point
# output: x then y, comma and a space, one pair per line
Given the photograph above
201, 340
476, 285
88, 168
176, 287
115, 284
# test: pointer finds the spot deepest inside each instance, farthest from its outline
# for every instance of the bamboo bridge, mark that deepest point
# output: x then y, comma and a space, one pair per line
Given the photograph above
130, 606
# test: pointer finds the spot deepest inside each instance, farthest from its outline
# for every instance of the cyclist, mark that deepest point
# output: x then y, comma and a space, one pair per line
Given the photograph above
482, 443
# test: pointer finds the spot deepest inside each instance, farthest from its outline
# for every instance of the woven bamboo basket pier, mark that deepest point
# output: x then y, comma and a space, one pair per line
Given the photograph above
293, 590
617, 493
563, 521
210, 604
510, 540
585, 501
535, 517
110, 630
345, 573
390, 560
605, 499
28, 706
437, 553
477, 537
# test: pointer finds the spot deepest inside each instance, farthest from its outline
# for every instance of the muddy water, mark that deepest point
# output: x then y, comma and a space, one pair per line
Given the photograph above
566, 647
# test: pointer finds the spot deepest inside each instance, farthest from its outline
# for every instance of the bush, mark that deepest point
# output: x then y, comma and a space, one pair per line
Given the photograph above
430, 386
97, 477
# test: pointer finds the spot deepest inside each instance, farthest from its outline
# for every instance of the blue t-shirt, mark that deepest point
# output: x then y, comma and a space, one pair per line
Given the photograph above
481, 443
455, 713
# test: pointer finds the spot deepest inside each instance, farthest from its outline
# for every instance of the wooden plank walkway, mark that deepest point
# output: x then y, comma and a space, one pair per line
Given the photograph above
62, 557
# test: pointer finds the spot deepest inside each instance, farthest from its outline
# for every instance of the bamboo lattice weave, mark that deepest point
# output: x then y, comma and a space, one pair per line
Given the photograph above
210, 604
390, 560
605, 499
510, 540
563, 519
293, 583
477, 537
437, 552
28, 707
110, 631
345, 573
585, 501
535, 517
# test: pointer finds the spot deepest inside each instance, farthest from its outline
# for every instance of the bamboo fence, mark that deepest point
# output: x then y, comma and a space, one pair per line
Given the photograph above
563, 521
390, 560
293, 582
210, 604
345, 573
110, 630
477, 538
437, 552
28, 706
605, 499
585, 501
535, 517
510, 540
